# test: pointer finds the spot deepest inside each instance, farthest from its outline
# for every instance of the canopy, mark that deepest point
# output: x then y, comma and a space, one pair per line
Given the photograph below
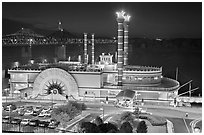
126, 94
26, 89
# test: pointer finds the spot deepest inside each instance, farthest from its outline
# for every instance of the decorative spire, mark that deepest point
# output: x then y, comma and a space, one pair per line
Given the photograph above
120, 15
127, 18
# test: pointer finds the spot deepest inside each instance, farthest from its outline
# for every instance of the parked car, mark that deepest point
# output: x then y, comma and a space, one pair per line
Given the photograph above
29, 107
36, 113
43, 123
38, 108
46, 109
53, 124
41, 114
21, 112
25, 122
16, 120
34, 122
7, 119
47, 114
28, 113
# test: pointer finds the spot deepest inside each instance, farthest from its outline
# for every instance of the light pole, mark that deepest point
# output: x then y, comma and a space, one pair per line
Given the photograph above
102, 110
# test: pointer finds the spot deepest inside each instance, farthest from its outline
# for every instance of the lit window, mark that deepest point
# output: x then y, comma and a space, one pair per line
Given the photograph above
139, 78
156, 78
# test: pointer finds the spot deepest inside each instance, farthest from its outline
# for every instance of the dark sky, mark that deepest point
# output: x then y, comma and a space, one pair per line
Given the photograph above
164, 20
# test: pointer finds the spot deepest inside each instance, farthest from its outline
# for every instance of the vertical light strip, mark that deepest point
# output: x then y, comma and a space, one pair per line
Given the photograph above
92, 49
85, 48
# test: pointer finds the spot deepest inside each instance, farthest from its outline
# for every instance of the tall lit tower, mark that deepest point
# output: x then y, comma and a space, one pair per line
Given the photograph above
92, 49
120, 20
126, 24
85, 48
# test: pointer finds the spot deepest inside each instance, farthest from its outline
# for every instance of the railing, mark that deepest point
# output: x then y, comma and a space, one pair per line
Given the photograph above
176, 86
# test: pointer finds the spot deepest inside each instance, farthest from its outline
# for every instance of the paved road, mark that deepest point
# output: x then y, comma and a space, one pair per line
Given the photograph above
181, 125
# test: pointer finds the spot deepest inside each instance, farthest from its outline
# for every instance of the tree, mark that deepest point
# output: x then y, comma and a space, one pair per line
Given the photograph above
108, 128
126, 128
67, 112
88, 127
127, 116
98, 121
142, 127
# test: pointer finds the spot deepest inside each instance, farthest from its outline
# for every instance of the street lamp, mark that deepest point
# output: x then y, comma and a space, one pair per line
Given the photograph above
102, 110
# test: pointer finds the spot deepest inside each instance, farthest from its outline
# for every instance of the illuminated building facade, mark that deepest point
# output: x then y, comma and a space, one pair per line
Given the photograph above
96, 80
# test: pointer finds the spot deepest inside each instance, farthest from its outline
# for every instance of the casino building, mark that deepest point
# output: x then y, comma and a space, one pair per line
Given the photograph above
79, 80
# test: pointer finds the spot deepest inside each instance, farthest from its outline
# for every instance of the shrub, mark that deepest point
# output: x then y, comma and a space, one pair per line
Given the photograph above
88, 127
142, 127
126, 128
154, 120
98, 121
79, 106
108, 127
13, 106
67, 112
126, 116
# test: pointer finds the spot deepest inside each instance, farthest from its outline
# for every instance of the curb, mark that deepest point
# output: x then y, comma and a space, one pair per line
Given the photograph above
170, 126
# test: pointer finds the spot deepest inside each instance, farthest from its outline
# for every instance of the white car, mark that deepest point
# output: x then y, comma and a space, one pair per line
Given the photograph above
25, 122
41, 114
28, 113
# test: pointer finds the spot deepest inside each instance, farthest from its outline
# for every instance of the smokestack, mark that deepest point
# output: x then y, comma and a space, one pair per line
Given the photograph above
92, 50
120, 20
126, 23
85, 48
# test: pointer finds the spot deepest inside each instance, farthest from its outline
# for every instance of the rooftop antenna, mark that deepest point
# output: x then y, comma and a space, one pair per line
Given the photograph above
59, 26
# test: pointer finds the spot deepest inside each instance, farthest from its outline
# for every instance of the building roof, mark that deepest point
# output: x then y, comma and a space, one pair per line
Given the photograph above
126, 94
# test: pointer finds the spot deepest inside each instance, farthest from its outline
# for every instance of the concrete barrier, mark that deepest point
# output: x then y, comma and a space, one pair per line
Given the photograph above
170, 126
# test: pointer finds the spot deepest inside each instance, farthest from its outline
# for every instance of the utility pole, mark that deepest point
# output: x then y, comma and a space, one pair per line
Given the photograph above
189, 89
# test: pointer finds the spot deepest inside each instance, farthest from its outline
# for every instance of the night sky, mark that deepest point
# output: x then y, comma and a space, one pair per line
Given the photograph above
163, 20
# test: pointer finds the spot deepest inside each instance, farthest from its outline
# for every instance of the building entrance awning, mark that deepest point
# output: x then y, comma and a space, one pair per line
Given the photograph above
128, 94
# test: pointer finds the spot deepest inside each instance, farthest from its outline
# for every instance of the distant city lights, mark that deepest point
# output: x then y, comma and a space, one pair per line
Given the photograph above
158, 39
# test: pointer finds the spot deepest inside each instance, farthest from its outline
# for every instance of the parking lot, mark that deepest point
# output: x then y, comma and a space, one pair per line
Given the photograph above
28, 119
